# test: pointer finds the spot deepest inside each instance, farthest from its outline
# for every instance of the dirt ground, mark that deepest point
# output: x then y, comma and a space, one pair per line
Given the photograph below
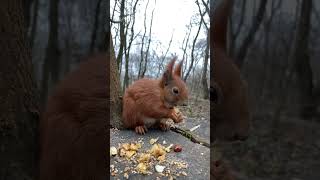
290, 151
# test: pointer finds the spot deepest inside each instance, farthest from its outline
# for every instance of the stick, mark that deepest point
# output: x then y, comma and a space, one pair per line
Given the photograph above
187, 133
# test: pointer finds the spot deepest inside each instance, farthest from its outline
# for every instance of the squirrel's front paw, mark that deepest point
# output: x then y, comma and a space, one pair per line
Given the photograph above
176, 117
164, 126
141, 130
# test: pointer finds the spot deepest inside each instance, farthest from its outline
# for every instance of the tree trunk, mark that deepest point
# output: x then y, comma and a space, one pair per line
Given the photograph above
300, 72
192, 54
95, 27
19, 102
204, 79
26, 11
115, 90
123, 39
250, 37
51, 61
34, 22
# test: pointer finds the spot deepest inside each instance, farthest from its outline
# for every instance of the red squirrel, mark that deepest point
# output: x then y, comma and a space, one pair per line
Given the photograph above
231, 117
73, 126
148, 102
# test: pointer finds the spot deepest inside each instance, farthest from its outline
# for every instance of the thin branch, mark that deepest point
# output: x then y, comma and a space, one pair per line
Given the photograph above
142, 41
201, 15
192, 53
188, 134
149, 41
114, 8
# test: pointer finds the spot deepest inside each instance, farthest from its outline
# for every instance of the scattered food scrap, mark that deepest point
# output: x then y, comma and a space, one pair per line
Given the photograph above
113, 151
146, 162
177, 148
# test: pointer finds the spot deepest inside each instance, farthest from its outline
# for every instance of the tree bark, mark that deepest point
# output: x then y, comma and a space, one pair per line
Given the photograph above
18, 96
115, 90
122, 35
204, 79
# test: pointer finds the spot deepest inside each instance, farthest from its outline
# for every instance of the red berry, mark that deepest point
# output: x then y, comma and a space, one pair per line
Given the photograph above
177, 148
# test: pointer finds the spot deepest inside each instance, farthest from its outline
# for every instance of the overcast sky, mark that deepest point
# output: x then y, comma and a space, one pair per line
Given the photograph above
169, 16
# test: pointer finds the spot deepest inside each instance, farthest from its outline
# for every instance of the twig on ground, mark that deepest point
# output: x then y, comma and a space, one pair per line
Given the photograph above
187, 133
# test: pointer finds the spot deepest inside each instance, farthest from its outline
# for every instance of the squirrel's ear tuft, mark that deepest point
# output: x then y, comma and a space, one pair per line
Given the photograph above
178, 69
171, 64
167, 75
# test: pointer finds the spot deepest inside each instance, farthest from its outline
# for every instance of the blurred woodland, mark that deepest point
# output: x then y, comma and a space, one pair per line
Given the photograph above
275, 43
60, 34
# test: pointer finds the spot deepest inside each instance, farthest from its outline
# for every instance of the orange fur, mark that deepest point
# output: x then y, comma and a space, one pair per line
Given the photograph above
73, 127
147, 101
231, 116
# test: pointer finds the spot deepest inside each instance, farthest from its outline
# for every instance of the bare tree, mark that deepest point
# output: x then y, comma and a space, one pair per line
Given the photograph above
127, 52
161, 63
275, 6
95, 26
27, 4
185, 43
148, 46
299, 70
242, 52
142, 41
34, 22
234, 34
51, 62
316, 14
204, 79
123, 40
192, 52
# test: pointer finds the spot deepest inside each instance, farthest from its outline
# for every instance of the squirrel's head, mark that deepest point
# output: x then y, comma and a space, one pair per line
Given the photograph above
174, 89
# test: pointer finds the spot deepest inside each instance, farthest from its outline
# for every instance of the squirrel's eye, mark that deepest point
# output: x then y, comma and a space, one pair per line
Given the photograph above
175, 90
